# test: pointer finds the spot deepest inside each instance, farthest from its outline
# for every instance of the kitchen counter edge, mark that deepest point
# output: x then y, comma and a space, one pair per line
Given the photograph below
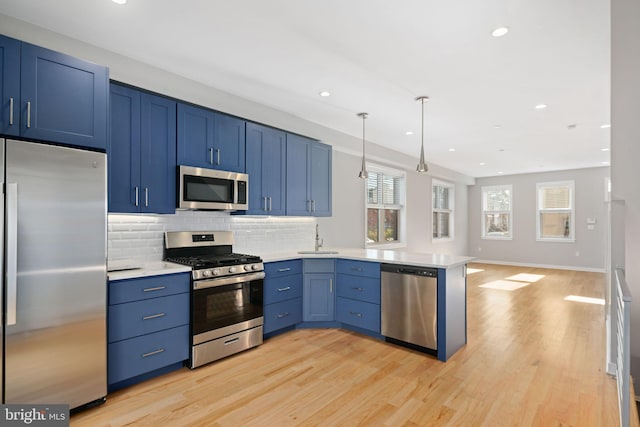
154, 268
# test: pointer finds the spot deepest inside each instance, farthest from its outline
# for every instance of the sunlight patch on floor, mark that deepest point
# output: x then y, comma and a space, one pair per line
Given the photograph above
505, 285
474, 270
587, 300
526, 277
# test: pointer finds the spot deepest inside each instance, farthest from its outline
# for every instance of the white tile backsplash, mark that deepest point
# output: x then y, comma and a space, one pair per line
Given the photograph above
141, 237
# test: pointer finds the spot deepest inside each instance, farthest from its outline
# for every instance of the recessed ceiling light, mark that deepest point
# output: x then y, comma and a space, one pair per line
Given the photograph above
452, 149
541, 106
408, 132
605, 163
604, 149
605, 126
324, 93
500, 173
500, 31
497, 126
119, 1
482, 163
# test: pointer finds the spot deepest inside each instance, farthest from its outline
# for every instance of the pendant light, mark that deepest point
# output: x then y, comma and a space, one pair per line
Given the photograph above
422, 166
363, 172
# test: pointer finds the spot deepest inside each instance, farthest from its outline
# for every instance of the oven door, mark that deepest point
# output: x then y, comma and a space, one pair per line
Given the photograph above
221, 306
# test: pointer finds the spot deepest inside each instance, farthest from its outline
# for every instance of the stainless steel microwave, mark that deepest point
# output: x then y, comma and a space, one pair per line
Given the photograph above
200, 188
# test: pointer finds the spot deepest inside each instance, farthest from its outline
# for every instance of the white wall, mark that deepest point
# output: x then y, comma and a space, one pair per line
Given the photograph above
588, 250
625, 149
346, 227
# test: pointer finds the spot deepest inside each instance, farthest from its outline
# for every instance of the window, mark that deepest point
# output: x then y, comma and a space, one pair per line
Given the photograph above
556, 211
497, 206
442, 207
385, 196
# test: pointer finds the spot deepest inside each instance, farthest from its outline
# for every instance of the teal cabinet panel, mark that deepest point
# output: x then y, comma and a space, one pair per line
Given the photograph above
358, 268
282, 268
9, 86
359, 288
358, 313
282, 314
282, 288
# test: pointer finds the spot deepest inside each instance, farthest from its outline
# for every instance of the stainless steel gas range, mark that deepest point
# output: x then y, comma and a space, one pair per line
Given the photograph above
226, 293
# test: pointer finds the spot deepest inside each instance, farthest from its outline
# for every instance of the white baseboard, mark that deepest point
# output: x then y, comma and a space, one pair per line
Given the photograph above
525, 264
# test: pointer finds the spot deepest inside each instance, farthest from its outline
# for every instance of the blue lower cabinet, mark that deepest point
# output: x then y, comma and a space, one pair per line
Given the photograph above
136, 356
358, 313
282, 314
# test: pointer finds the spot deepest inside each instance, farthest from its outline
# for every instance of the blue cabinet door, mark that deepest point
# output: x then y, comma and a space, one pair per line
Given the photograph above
318, 297
158, 154
308, 177
63, 99
195, 136
229, 143
123, 150
320, 179
266, 166
9, 86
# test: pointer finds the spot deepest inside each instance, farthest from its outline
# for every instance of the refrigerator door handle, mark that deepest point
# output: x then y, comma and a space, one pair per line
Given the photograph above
12, 252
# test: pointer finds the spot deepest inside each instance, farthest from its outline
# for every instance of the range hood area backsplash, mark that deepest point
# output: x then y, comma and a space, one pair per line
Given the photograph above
141, 237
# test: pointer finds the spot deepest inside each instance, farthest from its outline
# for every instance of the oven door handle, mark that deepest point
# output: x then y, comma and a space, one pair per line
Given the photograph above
222, 281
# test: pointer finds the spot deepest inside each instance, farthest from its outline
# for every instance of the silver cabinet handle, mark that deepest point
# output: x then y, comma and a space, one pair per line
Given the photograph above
353, 313
146, 197
282, 270
151, 353
153, 316
12, 253
28, 114
357, 289
231, 341
357, 269
211, 155
308, 205
10, 111
330, 285
288, 288
137, 197
281, 315
270, 205
265, 203
313, 206
218, 156
157, 288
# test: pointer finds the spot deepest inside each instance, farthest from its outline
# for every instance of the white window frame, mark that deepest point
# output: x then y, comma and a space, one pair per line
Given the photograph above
401, 207
451, 211
485, 190
572, 209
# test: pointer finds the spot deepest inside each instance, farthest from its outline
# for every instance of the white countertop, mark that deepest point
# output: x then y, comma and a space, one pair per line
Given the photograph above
392, 257
153, 268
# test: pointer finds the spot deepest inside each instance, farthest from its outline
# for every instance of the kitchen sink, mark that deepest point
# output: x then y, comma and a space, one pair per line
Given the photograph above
317, 252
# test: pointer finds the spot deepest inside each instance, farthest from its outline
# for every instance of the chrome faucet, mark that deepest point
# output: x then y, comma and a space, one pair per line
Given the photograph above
319, 242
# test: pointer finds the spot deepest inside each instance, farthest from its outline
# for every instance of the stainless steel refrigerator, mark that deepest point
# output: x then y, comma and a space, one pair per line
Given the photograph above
54, 274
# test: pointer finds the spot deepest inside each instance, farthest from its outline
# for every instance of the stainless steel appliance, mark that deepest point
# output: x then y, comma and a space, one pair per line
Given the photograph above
200, 188
226, 293
409, 297
54, 274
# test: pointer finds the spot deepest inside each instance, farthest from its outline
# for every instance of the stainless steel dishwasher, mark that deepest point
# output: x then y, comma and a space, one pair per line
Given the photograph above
409, 306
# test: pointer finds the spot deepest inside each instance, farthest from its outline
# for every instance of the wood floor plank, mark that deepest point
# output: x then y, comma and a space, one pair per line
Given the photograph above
533, 358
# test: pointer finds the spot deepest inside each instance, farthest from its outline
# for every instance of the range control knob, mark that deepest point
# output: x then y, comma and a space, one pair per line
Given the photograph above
232, 270
247, 267
216, 272
206, 273
255, 266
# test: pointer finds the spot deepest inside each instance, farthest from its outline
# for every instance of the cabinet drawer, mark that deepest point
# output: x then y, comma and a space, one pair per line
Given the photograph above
142, 317
319, 265
282, 288
357, 313
358, 268
358, 288
282, 268
282, 314
136, 356
128, 290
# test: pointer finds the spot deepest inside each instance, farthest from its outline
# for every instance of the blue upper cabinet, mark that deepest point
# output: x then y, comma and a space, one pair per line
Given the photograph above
266, 166
142, 152
9, 86
308, 177
53, 97
208, 139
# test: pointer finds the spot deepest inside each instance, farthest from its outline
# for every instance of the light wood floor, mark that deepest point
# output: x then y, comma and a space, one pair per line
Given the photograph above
532, 359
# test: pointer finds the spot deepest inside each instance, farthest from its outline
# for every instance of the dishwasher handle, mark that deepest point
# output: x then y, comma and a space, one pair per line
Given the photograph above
409, 269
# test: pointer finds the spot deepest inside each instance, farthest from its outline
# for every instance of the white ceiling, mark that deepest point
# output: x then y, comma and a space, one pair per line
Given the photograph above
377, 56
